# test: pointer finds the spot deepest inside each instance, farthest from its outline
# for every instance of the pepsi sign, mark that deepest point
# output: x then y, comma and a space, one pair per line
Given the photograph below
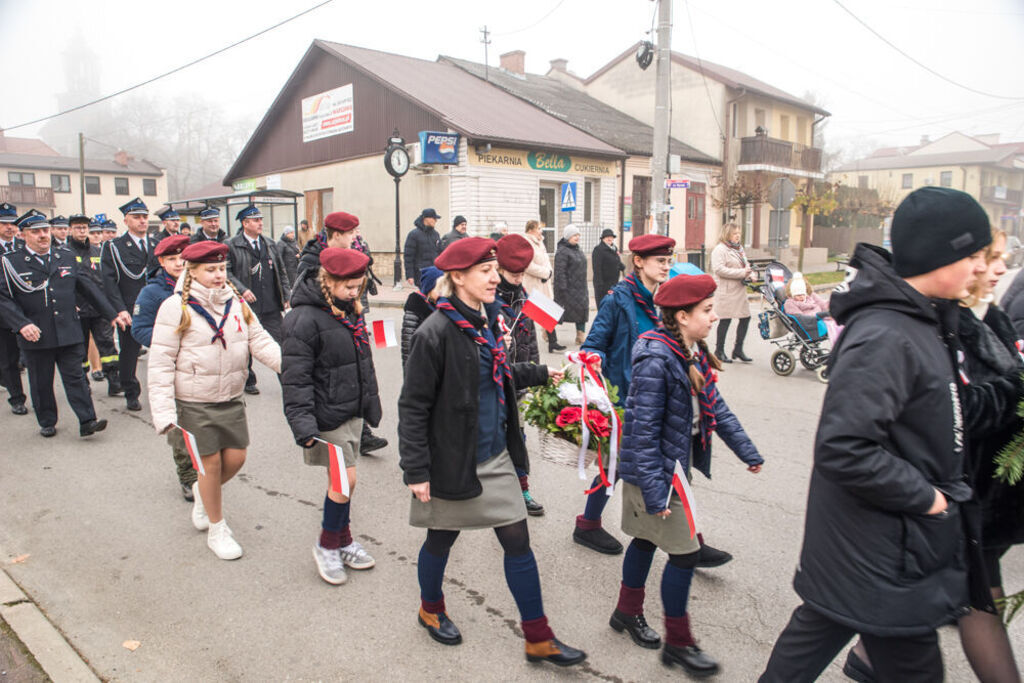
439, 148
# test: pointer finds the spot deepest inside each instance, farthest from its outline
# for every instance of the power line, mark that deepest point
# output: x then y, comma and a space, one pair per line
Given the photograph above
700, 65
527, 28
920, 64
172, 71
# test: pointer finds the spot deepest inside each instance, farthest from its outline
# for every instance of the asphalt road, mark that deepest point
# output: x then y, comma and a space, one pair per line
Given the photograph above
112, 555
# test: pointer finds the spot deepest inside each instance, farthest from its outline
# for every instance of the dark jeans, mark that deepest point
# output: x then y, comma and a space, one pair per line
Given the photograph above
272, 324
10, 376
68, 361
811, 641
127, 359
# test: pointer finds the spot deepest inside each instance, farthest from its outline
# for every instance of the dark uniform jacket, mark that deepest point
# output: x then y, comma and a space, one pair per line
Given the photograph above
890, 433
242, 265
51, 307
200, 236
87, 256
162, 235
125, 270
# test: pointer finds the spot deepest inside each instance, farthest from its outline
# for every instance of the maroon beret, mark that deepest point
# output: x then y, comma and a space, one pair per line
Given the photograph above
466, 253
341, 221
652, 245
206, 251
175, 244
344, 264
515, 253
683, 290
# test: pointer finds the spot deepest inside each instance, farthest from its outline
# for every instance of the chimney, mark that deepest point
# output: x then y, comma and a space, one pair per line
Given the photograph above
121, 158
560, 65
925, 140
514, 62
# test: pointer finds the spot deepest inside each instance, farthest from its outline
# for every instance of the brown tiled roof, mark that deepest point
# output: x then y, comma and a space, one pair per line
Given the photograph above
59, 163
26, 146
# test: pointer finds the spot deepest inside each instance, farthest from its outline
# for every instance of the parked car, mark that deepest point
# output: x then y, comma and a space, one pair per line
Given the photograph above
1014, 252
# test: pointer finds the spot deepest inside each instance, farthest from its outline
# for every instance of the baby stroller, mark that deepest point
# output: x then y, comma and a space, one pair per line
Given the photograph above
796, 336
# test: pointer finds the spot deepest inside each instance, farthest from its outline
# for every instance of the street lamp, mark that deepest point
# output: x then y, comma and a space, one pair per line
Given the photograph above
396, 162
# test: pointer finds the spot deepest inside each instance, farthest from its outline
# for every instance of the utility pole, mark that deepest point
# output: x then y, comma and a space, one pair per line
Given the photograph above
663, 85
486, 41
81, 168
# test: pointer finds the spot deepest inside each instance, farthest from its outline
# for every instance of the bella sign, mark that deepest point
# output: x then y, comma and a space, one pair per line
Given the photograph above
541, 161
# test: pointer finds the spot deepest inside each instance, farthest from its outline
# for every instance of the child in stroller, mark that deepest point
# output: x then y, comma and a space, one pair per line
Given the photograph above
794, 320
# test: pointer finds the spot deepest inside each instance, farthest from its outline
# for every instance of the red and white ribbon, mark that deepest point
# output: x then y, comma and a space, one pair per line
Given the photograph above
586, 366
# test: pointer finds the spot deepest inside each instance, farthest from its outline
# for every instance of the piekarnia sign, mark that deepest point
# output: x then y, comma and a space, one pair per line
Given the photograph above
541, 161
327, 114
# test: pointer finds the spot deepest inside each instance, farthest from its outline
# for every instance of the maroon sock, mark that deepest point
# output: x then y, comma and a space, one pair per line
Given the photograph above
432, 606
537, 630
330, 540
524, 482
584, 524
631, 600
677, 631
700, 538
345, 536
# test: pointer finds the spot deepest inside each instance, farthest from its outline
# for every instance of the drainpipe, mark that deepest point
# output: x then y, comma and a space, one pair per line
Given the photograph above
622, 204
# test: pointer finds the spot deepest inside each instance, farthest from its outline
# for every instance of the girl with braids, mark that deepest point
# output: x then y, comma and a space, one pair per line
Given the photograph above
460, 442
671, 411
202, 339
329, 388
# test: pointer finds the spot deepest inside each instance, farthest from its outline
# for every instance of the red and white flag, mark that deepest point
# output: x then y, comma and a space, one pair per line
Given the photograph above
542, 310
336, 468
682, 488
193, 450
384, 334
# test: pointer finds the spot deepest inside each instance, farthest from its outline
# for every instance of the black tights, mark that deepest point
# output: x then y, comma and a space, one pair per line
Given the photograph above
723, 329
514, 539
687, 561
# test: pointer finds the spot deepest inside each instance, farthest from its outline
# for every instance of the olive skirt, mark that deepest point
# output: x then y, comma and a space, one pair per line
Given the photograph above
215, 425
671, 534
347, 437
500, 504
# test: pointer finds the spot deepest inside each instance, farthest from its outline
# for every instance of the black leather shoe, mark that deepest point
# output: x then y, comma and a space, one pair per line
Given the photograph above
857, 669
19, 409
252, 389
533, 508
114, 389
722, 357
692, 658
440, 627
99, 376
739, 355
186, 492
134, 405
712, 557
48, 431
371, 443
555, 348
91, 427
642, 634
554, 651
597, 539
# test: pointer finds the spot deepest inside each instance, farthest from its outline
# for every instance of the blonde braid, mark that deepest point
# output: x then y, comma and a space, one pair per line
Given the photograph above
186, 314
246, 311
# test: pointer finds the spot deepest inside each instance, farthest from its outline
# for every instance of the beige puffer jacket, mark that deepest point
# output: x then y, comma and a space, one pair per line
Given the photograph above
190, 367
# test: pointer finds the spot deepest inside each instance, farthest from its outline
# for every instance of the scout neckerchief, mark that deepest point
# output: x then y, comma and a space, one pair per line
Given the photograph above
321, 239
499, 362
358, 328
707, 398
641, 300
168, 280
217, 329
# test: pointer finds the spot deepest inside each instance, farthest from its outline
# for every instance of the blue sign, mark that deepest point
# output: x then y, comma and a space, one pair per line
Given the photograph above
568, 196
439, 148
100, 217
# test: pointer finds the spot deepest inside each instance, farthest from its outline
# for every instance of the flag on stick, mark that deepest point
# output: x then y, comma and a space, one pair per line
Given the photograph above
193, 450
336, 468
682, 487
542, 310
384, 333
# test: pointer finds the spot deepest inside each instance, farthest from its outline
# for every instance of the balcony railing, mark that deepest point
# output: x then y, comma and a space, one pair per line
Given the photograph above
763, 150
1001, 194
27, 195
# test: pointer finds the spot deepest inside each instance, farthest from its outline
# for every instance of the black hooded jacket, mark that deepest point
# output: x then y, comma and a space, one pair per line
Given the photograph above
326, 379
524, 347
890, 433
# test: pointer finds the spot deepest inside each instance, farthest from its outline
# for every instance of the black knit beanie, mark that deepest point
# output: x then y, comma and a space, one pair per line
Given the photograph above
936, 226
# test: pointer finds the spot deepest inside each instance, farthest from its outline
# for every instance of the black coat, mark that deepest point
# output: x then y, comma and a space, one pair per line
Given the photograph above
52, 308
422, 246
309, 259
524, 334
571, 282
438, 409
87, 255
890, 433
241, 259
125, 270
200, 236
417, 308
607, 266
290, 257
452, 235
325, 379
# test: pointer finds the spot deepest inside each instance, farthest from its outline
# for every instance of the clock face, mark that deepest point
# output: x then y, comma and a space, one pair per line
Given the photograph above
399, 161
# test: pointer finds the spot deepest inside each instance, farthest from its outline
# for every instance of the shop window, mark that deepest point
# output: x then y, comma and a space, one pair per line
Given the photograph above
121, 186
60, 182
21, 179
92, 184
149, 187
590, 201
946, 178
908, 181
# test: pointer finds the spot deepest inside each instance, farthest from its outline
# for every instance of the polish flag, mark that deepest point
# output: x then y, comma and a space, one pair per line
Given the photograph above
542, 310
336, 468
384, 334
193, 450
682, 487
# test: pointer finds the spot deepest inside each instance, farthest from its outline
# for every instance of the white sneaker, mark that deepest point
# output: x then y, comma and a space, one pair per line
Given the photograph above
199, 518
355, 556
222, 542
329, 564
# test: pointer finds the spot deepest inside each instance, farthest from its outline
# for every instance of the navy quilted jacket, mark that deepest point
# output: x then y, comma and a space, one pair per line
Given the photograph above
612, 336
658, 425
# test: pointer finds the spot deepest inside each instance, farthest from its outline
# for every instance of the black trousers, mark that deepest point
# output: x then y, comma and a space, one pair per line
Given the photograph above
272, 324
103, 334
723, 329
10, 376
811, 641
68, 361
127, 359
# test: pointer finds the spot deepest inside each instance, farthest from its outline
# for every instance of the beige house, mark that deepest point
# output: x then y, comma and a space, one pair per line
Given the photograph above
34, 176
990, 171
